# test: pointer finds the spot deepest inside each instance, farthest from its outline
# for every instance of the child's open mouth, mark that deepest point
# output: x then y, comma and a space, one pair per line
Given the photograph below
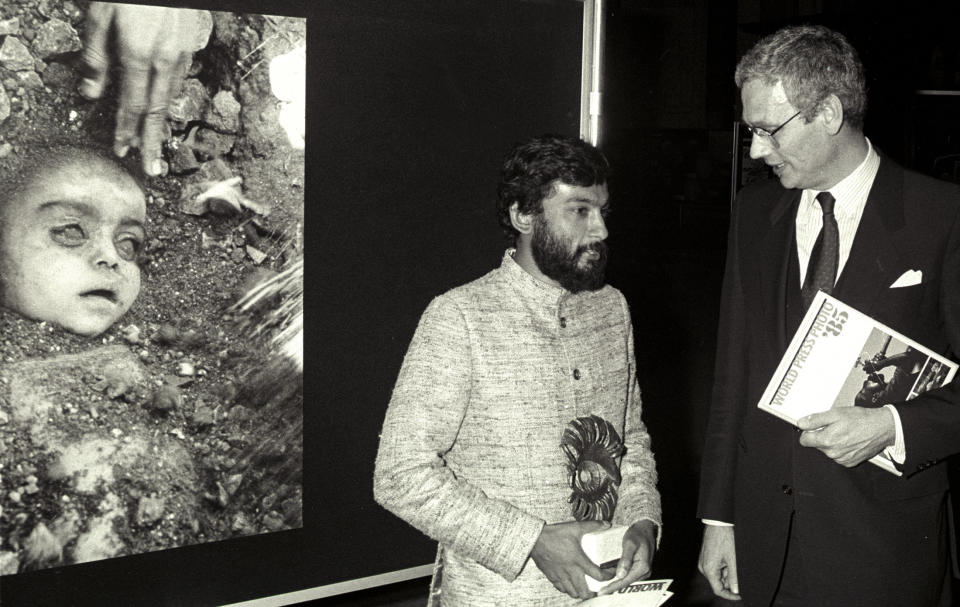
102, 293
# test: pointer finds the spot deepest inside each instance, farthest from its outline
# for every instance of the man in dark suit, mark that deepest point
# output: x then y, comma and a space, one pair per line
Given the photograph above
797, 516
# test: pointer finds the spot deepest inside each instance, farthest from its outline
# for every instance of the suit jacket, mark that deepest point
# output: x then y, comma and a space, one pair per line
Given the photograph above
867, 537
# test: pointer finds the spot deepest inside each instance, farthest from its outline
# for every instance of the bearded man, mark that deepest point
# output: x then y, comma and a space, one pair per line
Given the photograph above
515, 423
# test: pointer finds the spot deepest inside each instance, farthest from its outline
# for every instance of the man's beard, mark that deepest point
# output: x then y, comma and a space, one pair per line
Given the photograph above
554, 259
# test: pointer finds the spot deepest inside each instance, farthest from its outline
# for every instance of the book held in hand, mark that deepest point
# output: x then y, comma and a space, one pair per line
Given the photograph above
840, 357
648, 593
604, 548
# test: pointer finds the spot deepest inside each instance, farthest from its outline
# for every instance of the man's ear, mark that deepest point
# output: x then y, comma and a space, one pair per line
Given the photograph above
522, 222
831, 112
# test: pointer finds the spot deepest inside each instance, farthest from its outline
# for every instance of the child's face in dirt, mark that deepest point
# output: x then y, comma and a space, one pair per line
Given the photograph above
69, 246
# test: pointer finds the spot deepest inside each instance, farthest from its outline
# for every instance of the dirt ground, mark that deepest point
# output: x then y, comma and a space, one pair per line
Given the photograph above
178, 425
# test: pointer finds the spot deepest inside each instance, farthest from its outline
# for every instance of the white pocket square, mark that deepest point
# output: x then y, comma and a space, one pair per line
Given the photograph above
908, 279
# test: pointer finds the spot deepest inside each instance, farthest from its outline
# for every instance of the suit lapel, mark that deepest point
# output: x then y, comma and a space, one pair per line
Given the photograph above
773, 255
874, 259
870, 269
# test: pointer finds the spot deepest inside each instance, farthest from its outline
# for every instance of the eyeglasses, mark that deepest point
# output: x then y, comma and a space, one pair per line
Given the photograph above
768, 136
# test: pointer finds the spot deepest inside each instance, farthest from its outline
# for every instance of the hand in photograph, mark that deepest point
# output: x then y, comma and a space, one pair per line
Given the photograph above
153, 46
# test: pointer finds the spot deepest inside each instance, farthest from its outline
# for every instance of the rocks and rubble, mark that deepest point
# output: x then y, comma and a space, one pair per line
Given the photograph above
84, 453
55, 37
224, 113
15, 56
10, 27
4, 105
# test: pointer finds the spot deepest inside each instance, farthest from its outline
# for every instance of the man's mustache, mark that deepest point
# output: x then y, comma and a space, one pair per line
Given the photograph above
598, 247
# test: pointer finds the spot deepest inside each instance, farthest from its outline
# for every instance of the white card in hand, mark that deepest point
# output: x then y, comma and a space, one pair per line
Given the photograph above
603, 548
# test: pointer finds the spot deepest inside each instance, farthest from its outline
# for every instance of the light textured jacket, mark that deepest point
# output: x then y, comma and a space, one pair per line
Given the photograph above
470, 450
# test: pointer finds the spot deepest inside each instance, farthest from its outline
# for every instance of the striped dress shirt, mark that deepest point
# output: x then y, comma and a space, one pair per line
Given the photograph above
851, 198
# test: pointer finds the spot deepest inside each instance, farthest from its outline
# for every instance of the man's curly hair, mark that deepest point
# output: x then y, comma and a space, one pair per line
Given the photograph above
531, 169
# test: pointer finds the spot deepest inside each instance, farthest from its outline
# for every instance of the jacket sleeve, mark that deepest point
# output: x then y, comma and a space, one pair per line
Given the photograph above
729, 391
638, 495
411, 478
931, 421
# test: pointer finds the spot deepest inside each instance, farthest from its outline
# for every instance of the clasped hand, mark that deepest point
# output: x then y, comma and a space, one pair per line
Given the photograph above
848, 435
559, 555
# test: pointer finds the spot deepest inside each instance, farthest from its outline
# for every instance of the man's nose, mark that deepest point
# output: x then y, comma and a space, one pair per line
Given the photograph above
759, 147
598, 226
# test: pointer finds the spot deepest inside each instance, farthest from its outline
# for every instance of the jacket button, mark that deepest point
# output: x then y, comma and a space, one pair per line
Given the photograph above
787, 490
563, 322
576, 374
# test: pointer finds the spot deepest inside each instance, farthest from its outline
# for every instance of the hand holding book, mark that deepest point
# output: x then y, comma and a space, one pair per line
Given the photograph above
559, 556
838, 373
848, 435
638, 545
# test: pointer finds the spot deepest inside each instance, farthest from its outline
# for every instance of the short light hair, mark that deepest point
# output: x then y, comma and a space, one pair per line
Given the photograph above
813, 62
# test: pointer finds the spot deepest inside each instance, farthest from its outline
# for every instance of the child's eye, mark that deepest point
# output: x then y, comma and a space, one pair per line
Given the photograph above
128, 248
71, 235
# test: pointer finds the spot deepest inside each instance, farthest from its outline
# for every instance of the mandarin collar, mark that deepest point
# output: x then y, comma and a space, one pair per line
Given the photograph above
529, 285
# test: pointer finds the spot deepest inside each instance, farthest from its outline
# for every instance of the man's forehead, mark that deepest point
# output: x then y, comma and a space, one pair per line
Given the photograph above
586, 193
759, 99
778, 94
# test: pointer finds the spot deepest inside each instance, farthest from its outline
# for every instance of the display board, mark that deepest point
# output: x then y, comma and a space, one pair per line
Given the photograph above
410, 107
418, 117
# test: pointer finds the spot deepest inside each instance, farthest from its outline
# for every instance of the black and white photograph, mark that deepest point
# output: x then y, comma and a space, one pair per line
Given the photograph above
407, 302
888, 371
151, 272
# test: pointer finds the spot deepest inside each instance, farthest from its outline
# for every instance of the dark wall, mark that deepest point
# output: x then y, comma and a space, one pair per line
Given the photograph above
418, 103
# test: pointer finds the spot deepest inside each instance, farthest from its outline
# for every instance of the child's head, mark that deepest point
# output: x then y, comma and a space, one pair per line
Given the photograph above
71, 229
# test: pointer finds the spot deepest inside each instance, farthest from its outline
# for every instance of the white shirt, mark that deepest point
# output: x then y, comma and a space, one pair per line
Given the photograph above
851, 198
850, 194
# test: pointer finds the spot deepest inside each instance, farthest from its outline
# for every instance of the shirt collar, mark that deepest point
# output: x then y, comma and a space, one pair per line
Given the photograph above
851, 191
528, 284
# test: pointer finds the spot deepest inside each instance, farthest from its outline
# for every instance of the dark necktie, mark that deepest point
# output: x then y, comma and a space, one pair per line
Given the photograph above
822, 269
